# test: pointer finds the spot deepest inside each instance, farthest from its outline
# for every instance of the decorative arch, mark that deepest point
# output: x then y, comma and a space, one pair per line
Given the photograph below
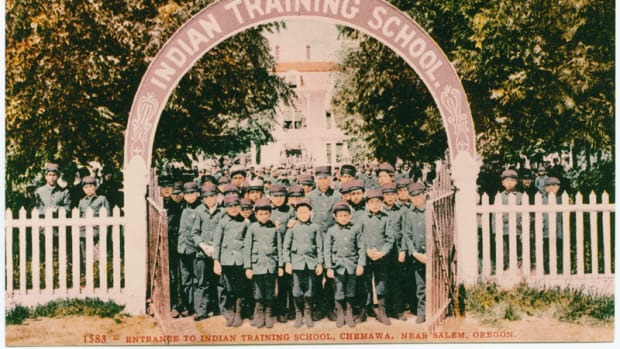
225, 18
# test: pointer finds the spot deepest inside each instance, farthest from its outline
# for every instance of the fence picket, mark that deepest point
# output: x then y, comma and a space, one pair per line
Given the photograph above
116, 254
553, 248
606, 236
76, 253
486, 240
593, 235
538, 231
8, 221
579, 236
62, 253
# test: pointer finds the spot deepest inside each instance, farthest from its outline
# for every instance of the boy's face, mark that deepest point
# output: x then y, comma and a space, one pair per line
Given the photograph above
190, 198
527, 182
384, 178
509, 183
552, 188
246, 212
177, 197
374, 205
278, 200
322, 182
233, 210
342, 217
357, 196
303, 213
346, 196
51, 178
344, 178
403, 195
293, 200
263, 216
89, 189
237, 179
419, 200
307, 188
389, 199
165, 192
254, 195
210, 201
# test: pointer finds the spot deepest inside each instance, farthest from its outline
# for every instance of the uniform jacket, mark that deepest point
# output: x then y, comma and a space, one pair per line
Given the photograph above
414, 231
262, 248
303, 246
344, 248
95, 202
282, 214
205, 225
396, 213
518, 198
377, 231
185, 244
52, 197
229, 237
322, 203
558, 218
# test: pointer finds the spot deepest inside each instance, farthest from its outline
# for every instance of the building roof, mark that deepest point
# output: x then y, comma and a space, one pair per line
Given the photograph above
305, 66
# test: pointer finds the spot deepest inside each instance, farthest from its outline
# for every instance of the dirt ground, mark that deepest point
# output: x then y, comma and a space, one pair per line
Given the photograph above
143, 330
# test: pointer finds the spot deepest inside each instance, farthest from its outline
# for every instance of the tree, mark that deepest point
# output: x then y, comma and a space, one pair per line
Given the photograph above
73, 68
539, 75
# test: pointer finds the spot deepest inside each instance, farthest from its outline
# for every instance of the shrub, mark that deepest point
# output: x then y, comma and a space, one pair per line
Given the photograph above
66, 307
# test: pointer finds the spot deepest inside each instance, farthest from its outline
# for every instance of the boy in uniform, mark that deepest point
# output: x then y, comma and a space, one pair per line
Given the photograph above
414, 245
228, 258
262, 260
403, 194
186, 247
208, 216
303, 258
345, 258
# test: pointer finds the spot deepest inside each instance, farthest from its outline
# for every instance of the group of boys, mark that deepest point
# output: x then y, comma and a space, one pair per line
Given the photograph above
244, 250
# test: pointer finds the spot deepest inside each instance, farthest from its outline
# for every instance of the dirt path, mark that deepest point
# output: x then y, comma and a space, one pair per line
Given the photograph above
142, 330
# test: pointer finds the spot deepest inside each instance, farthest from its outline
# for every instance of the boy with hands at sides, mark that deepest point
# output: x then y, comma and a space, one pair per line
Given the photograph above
262, 260
345, 258
303, 258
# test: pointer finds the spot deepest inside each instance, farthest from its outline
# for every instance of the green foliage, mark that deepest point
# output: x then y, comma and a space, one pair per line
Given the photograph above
491, 304
598, 178
73, 69
66, 307
539, 75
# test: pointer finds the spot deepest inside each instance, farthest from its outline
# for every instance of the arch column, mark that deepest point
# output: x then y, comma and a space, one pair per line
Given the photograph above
464, 174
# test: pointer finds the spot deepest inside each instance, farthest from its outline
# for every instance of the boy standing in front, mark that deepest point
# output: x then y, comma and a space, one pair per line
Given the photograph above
345, 258
262, 259
303, 258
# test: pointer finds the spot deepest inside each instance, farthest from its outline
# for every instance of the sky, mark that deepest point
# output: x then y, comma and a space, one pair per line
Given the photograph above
321, 36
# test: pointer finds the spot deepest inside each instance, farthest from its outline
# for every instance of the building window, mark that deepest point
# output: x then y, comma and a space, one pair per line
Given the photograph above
339, 152
328, 120
293, 120
293, 79
328, 149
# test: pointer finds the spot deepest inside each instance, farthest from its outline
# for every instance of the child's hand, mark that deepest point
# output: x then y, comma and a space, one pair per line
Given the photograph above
277, 224
280, 272
420, 257
401, 257
359, 271
330, 273
371, 252
291, 223
217, 268
319, 269
248, 274
288, 267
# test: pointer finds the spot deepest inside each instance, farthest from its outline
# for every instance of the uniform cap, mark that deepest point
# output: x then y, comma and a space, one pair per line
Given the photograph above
323, 171
345, 187
348, 169
262, 204
223, 180
402, 183
416, 188
374, 194
277, 189
190, 187
303, 202
386, 167
295, 191
510, 174
237, 169
230, 200
245, 204
305, 179
552, 181
177, 188
89, 180
165, 181
230, 188
341, 206
388, 188
525, 173
52, 167
207, 178
255, 184
208, 190
357, 184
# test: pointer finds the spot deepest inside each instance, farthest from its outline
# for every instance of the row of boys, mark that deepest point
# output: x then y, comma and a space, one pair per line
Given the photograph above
305, 252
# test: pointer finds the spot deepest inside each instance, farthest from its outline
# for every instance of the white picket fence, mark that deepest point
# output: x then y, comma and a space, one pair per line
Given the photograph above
51, 246
586, 265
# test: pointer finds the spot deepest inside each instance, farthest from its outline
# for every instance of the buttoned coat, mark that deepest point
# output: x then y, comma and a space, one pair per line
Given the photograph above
344, 248
205, 225
377, 231
52, 197
186, 245
414, 231
262, 248
229, 238
303, 246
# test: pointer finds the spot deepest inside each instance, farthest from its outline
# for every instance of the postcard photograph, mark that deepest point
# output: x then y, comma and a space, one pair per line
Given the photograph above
302, 172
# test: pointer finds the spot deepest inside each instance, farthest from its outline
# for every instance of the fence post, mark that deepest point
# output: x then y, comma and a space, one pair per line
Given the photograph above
606, 236
465, 172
